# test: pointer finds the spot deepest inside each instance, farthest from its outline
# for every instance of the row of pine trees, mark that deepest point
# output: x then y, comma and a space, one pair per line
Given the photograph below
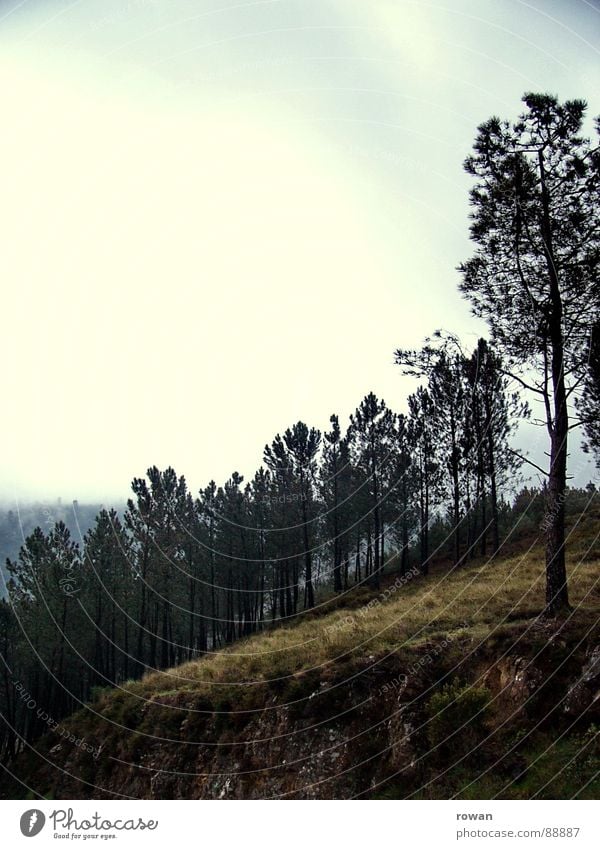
180, 574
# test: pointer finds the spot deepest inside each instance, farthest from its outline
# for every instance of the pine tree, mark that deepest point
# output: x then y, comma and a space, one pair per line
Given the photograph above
303, 445
492, 414
404, 489
336, 492
534, 274
422, 440
108, 594
371, 436
589, 404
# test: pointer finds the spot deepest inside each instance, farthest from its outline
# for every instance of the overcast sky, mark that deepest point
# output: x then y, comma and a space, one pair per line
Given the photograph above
220, 217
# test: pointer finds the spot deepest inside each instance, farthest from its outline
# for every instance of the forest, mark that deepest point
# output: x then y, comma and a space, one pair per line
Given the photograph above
179, 574
19, 519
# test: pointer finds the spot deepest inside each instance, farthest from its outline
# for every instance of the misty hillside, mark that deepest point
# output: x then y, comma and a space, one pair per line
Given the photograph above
430, 687
398, 601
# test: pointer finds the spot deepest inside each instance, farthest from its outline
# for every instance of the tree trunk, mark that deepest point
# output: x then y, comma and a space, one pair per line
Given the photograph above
337, 553
492, 475
309, 593
557, 597
424, 520
404, 563
377, 523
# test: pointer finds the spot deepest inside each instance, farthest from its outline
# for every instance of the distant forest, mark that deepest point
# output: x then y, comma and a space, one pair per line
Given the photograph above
18, 521
178, 574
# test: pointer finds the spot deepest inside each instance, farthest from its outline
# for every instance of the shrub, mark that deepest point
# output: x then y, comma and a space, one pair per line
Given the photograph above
457, 717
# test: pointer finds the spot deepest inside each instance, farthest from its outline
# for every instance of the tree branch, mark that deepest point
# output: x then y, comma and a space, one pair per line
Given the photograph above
531, 463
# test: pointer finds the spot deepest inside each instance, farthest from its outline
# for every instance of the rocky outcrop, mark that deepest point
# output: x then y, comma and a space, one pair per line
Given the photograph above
584, 695
515, 678
340, 736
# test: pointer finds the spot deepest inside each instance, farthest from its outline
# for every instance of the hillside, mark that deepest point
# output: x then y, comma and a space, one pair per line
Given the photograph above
432, 687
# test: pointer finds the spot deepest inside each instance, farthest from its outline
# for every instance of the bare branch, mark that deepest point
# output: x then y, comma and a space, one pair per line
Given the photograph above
527, 460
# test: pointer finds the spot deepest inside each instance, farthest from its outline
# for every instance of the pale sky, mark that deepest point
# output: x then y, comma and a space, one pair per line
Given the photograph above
218, 218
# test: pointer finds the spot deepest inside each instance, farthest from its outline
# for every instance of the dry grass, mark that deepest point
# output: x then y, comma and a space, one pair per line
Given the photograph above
479, 599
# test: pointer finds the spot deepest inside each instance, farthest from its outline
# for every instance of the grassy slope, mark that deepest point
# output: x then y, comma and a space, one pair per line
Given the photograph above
482, 612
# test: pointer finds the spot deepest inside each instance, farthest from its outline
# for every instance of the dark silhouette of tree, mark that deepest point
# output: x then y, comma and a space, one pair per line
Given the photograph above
422, 440
302, 445
232, 548
190, 556
447, 392
492, 413
336, 491
107, 597
589, 404
443, 365
465, 420
534, 274
209, 507
404, 489
47, 580
137, 521
261, 520
371, 434
11, 660
285, 515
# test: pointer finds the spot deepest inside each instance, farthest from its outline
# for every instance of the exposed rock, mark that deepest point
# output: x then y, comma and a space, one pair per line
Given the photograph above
339, 739
516, 678
591, 671
402, 727
584, 694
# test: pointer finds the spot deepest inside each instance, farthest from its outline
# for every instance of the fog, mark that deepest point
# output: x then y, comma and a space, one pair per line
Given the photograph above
220, 219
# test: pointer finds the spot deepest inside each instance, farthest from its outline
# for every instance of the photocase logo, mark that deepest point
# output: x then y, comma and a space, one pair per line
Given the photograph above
32, 822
